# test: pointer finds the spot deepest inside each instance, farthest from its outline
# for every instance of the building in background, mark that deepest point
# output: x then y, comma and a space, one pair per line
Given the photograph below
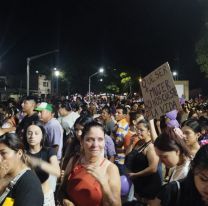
44, 85
182, 88
40, 85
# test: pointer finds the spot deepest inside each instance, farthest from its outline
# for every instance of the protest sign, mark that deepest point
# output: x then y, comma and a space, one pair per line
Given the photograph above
159, 92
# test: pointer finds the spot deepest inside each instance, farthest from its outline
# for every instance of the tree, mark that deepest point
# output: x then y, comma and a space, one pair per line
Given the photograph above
202, 53
112, 88
126, 81
202, 44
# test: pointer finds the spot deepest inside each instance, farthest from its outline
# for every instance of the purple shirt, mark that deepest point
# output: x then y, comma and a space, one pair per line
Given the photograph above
109, 147
54, 135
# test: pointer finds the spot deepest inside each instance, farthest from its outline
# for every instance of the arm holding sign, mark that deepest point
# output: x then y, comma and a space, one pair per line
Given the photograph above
152, 130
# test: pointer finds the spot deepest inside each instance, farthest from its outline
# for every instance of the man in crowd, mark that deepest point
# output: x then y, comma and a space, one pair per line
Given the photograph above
67, 119
52, 126
122, 128
28, 107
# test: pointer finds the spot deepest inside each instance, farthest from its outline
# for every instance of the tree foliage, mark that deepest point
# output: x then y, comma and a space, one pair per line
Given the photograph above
202, 53
202, 44
126, 81
113, 88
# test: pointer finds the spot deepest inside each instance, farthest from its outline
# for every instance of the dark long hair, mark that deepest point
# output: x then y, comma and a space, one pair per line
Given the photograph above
73, 149
193, 124
169, 141
199, 163
12, 141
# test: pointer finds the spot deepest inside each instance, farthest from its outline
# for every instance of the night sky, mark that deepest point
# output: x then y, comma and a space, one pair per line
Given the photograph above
134, 36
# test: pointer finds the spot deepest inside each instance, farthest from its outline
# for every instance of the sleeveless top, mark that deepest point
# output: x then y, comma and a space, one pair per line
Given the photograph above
145, 186
82, 188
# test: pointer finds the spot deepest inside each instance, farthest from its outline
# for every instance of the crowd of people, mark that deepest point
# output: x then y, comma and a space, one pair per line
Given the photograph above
71, 152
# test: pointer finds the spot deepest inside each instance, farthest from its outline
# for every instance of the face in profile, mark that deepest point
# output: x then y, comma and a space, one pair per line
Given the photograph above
119, 114
61, 111
9, 160
94, 142
105, 115
44, 115
201, 183
170, 158
190, 136
27, 105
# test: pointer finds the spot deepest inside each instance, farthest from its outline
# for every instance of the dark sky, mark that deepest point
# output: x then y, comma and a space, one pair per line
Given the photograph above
129, 35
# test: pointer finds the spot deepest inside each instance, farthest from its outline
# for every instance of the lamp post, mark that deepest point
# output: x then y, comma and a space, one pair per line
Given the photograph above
101, 70
52, 81
57, 73
38, 81
28, 66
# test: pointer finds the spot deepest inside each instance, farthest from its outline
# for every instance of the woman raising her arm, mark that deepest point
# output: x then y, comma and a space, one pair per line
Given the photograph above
42, 159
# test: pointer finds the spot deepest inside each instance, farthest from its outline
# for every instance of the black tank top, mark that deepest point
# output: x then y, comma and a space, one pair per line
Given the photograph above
145, 186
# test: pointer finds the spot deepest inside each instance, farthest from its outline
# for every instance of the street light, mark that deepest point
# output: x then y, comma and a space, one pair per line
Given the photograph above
100, 71
54, 72
175, 75
57, 73
28, 66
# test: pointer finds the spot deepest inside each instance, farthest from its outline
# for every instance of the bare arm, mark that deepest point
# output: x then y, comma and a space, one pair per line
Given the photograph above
5, 130
153, 161
110, 182
152, 130
51, 167
112, 188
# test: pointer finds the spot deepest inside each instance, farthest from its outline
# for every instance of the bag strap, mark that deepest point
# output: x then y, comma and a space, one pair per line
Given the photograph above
178, 192
11, 185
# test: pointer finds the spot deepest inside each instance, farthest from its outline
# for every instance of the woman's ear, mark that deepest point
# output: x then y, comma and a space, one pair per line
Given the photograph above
198, 134
178, 152
19, 153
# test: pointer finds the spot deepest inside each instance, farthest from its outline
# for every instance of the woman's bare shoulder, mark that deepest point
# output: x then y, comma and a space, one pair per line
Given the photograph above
111, 167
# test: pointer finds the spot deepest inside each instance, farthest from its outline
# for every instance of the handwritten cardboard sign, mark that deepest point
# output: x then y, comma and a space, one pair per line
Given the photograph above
159, 92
